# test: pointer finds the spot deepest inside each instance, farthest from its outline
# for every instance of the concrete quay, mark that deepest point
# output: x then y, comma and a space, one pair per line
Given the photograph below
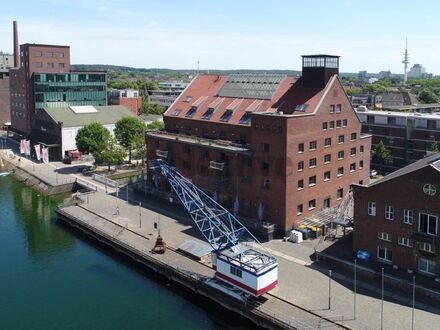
132, 233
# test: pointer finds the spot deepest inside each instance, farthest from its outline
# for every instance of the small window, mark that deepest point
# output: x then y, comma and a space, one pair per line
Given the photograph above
332, 108
384, 236
312, 162
208, 114
341, 139
361, 164
266, 184
236, 271
407, 217
340, 193
331, 124
300, 184
341, 154
327, 158
301, 147
324, 125
61, 65
427, 266
340, 171
353, 136
353, 151
299, 209
49, 54
338, 124
352, 167
312, 180
427, 224
313, 145
187, 99
372, 208
176, 112
50, 65
344, 123
404, 241
327, 175
38, 64
312, 204
361, 149
265, 147
265, 166
389, 212
300, 165
38, 53
327, 142
384, 254
427, 247
61, 54
191, 112
338, 108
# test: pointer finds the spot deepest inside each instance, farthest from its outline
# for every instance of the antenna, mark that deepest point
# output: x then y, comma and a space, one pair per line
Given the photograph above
405, 62
198, 65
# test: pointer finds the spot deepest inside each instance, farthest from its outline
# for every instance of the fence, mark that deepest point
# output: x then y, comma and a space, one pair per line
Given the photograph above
104, 180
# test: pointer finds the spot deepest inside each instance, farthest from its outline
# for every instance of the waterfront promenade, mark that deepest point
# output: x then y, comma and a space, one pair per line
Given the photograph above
302, 283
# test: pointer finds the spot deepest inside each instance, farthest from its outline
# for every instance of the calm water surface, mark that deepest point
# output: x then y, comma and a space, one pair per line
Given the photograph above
54, 278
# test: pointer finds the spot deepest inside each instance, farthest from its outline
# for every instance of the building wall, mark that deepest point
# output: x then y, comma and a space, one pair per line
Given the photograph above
20, 104
404, 192
131, 103
68, 137
5, 105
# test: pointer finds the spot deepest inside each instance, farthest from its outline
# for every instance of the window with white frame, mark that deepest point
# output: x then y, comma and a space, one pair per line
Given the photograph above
341, 139
327, 175
427, 247
389, 212
301, 165
327, 142
312, 162
236, 271
341, 154
384, 236
340, 170
384, 254
312, 180
353, 151
312, 204
427, 266
313, 145
407, 217
327, 158
405, 241
372, 208
427, 224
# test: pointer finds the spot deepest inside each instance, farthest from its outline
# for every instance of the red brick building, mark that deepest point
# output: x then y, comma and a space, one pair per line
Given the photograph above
5, 112
34, 58
292, 145
126, 97
396, 218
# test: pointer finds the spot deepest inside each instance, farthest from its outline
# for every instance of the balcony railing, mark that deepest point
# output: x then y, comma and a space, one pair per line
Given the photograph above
216, 165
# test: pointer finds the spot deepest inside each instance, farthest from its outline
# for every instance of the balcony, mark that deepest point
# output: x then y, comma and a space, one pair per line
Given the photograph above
161, 153
423, 237
216, 165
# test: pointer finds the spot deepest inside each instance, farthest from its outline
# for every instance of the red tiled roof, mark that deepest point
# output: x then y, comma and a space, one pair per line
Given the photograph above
287, 96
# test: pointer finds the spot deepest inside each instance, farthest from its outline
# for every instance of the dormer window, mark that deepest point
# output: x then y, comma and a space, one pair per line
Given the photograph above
191, 112
245, 119
226, 116
208, 114
176, 112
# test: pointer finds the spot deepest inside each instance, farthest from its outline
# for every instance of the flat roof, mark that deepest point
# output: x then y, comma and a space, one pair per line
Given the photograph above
400, 114
44, 45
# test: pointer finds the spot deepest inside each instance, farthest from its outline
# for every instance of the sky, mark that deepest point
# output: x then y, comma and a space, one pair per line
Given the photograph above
231, 34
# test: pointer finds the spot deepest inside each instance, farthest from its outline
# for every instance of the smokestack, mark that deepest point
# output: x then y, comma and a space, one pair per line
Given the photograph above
16, 50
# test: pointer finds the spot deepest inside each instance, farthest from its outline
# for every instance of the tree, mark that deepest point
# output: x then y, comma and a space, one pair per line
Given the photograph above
129, 131
112, 154
92, 138
381, 154
151, 108
156, 125
428, 96
434, 147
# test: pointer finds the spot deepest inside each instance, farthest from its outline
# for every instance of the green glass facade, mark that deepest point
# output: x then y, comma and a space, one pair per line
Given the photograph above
58, 90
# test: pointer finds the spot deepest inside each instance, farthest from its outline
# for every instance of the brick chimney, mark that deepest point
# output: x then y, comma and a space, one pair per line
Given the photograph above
16, 49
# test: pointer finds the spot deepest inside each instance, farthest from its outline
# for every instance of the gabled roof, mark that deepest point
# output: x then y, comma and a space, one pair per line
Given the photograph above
433, 161
104, 115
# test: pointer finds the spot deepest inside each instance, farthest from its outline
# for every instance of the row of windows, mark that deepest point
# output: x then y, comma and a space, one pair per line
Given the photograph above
424, 265
328, 159
427, 222
312, 202
331, 124
313, 145
39, 53
335, 108
49, 65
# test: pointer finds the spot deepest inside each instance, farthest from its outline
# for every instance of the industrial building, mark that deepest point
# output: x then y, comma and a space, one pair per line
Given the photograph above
129, 98
409, 136
274, 148
396, 218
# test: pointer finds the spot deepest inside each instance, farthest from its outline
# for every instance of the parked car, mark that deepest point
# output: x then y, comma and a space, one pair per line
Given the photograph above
373, 173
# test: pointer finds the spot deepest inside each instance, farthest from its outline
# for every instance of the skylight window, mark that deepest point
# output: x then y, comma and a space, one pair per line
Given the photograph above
301, 107
226, 116
208, 114
245, 119
187, 99
176, 112
191, 112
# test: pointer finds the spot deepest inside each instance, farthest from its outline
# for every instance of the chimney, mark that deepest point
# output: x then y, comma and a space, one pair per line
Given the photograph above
318, 69
16, 50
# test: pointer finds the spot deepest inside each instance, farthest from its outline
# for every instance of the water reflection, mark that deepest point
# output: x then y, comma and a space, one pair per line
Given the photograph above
44, 240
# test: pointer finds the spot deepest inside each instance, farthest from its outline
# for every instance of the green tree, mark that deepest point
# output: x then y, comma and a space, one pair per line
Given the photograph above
428, 96
112, 154
434, 147
381, 154
92, 138
129, 131
156, 125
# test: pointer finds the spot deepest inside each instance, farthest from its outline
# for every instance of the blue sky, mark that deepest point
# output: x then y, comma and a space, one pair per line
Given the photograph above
369, 35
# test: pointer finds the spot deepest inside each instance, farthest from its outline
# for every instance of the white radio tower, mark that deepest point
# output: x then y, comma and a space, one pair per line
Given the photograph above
405, 62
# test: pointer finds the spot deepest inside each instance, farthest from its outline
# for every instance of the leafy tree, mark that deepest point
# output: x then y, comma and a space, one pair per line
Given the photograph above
381, 154
129, 131
92, 138
112, 154
156, 125
427, 96
140, 150
434, 147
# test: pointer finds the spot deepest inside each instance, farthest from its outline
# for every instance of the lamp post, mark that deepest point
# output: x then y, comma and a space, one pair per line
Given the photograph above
381, 307
329, 289
355, 289
140, 215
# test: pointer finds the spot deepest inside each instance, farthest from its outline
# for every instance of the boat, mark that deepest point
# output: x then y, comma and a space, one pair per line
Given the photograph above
4, 173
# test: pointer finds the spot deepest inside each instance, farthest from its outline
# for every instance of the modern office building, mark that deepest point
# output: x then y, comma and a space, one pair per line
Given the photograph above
396, 218
163, 97
409, 136
129, 98
44, 79
283, 147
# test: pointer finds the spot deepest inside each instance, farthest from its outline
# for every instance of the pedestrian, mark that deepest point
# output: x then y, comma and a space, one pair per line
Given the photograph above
117, 210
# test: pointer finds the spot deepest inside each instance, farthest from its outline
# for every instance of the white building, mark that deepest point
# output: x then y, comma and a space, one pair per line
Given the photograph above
417, 71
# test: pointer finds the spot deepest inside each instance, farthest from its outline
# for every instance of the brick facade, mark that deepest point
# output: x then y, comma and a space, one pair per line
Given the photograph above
131, 103
5, 106
402, 192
